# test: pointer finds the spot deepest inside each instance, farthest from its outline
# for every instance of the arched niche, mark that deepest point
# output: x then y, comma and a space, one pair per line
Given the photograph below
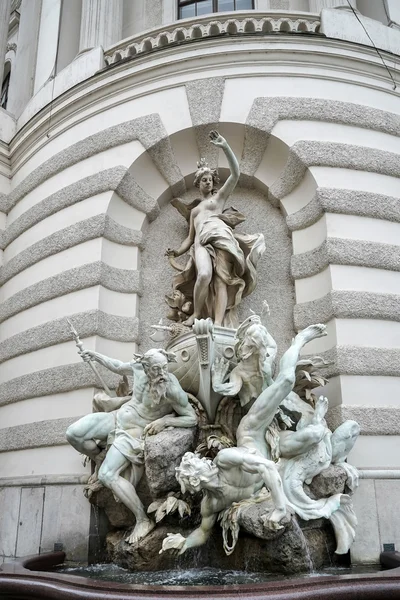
275, 283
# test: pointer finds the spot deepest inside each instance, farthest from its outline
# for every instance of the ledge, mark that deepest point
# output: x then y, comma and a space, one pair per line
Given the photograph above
214, 25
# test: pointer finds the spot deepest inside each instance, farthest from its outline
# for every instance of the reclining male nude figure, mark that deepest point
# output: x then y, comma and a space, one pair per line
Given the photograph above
238, 473
157, 402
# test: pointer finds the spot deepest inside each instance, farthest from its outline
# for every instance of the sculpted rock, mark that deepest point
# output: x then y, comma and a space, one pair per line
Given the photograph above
329, 482
252, 519
162, 453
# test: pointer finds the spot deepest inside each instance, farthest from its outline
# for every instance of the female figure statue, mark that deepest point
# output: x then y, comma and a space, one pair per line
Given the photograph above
221, 268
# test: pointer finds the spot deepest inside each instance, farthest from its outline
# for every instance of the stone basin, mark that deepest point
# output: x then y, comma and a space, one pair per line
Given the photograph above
29, 578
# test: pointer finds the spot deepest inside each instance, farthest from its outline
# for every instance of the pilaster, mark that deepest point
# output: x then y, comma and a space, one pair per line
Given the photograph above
101, 23
25, 64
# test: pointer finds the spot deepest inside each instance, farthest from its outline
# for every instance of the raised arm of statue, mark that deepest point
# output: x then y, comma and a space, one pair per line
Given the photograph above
110, 363
230, 184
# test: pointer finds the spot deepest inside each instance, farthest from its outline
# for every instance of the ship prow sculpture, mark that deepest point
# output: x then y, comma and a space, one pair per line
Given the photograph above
213, 430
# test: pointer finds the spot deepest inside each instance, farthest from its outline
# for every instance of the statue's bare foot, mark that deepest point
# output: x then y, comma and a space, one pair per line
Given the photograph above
321, 408
190, 321
140, 531
312, 332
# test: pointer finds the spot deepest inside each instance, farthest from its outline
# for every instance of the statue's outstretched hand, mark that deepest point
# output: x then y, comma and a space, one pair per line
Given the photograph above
217, 139
175, 542
88, 355
219, 370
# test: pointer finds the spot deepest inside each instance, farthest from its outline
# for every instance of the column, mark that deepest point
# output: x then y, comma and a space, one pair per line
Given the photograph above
48, 42
4, 22
317, 5
25, 61
101, 23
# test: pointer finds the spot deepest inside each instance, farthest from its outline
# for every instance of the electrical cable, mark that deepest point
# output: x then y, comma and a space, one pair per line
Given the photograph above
372, 42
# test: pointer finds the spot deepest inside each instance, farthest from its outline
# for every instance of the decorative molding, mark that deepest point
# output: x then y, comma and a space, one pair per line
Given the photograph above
373, 420
344, 304
340, 251
345, 202
88, 323
189, 31
11, 47
79, 278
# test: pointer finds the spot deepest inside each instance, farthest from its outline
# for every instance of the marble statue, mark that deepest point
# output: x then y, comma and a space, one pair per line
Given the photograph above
304, 454
256, 351
221, 267
238, 473
282, 440
157, 402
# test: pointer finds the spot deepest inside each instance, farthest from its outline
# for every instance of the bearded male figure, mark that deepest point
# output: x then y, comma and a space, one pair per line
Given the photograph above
157, 402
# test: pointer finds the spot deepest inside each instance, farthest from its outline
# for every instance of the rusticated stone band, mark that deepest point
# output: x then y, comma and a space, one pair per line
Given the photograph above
265, 113
79, 278
35, 435
78, 233
345, 202
116, 179
346, 304
308, 153
92, 322
150, 132
361, 360
373, 420
339, 251
56, 380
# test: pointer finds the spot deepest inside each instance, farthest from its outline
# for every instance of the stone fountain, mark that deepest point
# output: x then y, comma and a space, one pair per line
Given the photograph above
218, 453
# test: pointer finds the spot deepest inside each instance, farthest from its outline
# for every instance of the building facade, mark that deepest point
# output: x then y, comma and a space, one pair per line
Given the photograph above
106, 109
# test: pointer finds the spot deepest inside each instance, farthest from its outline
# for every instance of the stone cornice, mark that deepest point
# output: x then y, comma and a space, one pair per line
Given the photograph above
214, 25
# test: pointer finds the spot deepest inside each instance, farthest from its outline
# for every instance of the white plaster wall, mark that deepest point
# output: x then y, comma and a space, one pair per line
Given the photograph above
57, 406
42, 461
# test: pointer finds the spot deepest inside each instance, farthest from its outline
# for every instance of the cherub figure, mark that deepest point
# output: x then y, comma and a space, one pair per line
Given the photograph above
238, 473
221, 268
